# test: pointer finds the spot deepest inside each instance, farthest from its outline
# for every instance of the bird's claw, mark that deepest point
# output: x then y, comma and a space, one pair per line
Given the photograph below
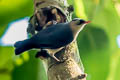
62, 61
42, 54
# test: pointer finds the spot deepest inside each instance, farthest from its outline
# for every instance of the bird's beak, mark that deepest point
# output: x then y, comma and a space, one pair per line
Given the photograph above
86, 22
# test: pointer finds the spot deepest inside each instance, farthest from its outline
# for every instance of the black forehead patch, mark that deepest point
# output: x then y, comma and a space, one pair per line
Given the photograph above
82, 21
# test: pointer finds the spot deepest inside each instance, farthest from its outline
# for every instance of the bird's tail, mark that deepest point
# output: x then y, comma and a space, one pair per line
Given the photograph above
22, 46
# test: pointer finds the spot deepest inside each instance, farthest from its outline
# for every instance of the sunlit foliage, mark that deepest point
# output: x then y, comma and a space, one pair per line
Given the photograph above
98, 42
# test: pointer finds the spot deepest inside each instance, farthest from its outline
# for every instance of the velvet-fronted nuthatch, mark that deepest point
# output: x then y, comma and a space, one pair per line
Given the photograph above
53, 38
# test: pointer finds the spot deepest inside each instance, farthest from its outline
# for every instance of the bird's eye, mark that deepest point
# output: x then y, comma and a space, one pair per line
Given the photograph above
82, 21
79, 21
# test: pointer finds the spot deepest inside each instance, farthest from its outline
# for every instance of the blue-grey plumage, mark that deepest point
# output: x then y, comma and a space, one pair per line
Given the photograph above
54, 37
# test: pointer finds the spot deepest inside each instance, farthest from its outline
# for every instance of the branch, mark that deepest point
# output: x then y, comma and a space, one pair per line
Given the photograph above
71, 68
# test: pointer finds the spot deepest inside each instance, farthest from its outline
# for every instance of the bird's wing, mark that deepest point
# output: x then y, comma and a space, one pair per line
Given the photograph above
53, 37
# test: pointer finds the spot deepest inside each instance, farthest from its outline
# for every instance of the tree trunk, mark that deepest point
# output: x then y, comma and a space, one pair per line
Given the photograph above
71, 68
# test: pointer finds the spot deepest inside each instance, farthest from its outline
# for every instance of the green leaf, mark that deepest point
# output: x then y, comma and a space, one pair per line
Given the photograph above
31, 70
97, 43
93, 46
6, 62
6, 54
4, 76
79, 9
12, 10
2, 29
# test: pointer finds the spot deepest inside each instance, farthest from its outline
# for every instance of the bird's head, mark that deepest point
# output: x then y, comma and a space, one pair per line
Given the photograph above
78, 23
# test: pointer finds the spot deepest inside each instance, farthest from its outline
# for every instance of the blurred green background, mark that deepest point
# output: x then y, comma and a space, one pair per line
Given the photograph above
99, 42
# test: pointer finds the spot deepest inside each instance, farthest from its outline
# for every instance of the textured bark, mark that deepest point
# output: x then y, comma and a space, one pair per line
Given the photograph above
71, 68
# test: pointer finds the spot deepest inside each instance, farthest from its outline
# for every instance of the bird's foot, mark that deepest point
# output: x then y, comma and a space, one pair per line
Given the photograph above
42, 54
62, 61
52, 56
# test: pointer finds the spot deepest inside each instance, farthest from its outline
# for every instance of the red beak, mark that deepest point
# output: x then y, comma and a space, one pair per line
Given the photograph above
87, 22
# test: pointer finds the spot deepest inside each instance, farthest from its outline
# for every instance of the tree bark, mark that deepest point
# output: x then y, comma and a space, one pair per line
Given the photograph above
71, 68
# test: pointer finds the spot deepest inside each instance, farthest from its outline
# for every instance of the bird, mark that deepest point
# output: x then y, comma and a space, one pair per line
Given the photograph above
53, 38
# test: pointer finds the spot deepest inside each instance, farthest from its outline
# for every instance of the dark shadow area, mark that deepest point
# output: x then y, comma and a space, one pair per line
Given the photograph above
92, 38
